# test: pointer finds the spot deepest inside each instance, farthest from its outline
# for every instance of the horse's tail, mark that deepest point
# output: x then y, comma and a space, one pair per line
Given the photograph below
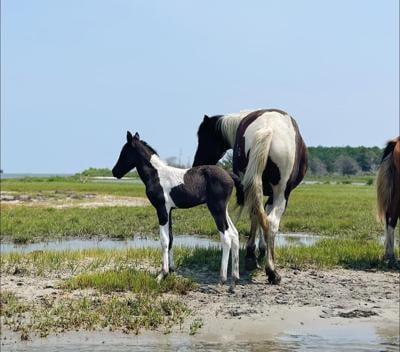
239, 189
385, 180
252, 179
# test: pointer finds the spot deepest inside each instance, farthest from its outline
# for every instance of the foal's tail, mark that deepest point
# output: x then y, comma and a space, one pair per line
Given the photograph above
252, 179
239, 189
386, 179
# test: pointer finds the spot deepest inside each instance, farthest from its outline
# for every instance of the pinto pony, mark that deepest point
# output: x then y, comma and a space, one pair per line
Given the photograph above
388, 195
270, 158
169, 188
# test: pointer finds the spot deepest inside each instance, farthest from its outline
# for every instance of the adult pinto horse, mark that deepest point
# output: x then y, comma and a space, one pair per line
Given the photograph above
270, 157
169, 188
388, 195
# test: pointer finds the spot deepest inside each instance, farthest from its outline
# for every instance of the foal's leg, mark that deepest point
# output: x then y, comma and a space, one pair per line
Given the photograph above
171, 239
234, 252
219, 215
163, 218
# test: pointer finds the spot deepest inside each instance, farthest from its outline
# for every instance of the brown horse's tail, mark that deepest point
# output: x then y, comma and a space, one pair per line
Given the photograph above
387, 176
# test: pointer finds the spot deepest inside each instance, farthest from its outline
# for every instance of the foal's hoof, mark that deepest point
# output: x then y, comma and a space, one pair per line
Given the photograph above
161, 276
250, 263
273, 277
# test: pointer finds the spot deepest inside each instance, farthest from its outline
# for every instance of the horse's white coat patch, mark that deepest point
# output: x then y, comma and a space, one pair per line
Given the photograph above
169, 176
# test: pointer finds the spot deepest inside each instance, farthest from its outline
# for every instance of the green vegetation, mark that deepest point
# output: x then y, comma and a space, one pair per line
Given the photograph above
129, 314
324, 209
129, 280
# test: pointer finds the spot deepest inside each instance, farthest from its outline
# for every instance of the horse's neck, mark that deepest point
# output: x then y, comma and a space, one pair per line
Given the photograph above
229, 124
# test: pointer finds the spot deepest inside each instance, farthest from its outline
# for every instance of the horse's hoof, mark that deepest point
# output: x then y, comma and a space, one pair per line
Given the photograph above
222, 281
232, 288
273, 277
171, 270
392, 263
250, 263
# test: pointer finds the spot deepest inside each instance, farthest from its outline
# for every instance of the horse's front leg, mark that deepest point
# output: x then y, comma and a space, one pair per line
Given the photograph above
163, 218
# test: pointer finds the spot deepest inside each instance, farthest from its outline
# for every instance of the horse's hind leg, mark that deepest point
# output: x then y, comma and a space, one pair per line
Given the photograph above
250, 259
274, 218
262, 245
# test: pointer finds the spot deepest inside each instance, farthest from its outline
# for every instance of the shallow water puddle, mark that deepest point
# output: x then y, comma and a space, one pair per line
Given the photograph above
281, 240
359, 336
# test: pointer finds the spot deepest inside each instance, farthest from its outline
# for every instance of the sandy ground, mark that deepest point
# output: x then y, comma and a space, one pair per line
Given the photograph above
70, 199
350, 307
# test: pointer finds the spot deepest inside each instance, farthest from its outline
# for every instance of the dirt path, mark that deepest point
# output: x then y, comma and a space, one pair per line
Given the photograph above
60, 200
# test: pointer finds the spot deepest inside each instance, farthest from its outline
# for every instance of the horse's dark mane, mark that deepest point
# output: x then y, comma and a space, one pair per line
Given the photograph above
149, 147
388, 149
210, 125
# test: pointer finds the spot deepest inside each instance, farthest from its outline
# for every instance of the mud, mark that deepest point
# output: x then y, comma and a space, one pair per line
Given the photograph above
341, 309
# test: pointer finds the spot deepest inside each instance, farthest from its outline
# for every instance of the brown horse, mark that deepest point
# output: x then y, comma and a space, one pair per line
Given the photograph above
388, 195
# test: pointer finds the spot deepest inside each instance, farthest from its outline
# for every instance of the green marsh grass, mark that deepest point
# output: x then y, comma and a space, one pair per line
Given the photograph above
129, 280
129, 314
330, 210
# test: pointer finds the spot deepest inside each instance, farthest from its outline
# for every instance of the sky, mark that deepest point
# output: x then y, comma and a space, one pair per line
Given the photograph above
77, 74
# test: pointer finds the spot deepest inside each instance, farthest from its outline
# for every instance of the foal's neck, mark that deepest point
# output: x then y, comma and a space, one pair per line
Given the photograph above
147, 167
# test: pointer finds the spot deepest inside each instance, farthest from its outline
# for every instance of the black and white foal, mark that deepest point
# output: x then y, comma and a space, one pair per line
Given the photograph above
168, 188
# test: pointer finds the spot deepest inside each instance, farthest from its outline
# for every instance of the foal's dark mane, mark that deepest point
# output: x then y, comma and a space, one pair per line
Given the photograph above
148, 147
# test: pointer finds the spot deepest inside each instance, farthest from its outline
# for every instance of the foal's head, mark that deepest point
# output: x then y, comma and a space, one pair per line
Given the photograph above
211, 144
133, 153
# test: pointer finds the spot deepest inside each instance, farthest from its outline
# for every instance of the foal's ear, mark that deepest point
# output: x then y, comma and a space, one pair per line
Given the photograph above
129, 137
136, 136
205, 118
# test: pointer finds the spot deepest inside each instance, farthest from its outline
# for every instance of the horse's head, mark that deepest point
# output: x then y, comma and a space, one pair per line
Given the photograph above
211, 143
128, 157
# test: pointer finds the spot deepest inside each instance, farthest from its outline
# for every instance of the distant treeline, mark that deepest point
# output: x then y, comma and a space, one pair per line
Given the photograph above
321, 161
343, 160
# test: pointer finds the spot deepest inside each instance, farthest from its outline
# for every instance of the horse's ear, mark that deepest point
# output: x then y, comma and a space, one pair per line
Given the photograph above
129, 137
136, 136
205, 118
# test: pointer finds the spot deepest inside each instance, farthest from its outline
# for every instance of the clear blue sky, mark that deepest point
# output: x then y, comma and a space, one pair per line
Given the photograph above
77, 74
